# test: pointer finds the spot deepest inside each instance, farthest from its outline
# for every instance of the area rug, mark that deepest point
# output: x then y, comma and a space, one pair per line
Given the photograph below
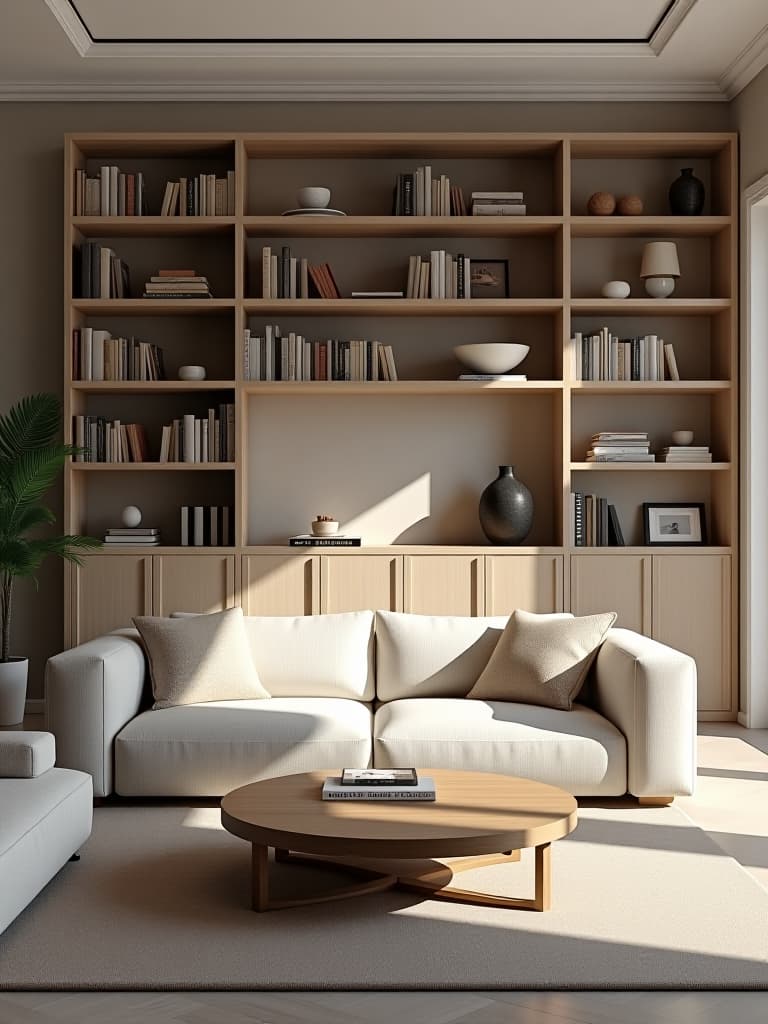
642, 898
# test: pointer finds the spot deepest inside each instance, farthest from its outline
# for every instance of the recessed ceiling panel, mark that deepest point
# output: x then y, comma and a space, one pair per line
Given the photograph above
371, 20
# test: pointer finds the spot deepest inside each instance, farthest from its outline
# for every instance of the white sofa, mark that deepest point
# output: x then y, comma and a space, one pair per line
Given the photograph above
387, 689
45, 817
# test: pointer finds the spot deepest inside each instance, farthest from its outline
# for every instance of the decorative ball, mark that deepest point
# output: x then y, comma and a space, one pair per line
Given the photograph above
629, 206
601, 204
615, 290
131, 516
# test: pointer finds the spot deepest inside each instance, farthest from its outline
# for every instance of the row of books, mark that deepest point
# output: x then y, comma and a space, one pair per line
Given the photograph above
102, 274
604, 356
177, 284
438, 276
206, 526
291, 277
202, 196
111, 194
103, 440
130, 536
96, 355
595, 522
613, 446
397, 784
200, 439
497, 204
685, 453
424, 194
291, 356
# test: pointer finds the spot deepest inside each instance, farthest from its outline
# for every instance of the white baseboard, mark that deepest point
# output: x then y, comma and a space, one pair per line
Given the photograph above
35, 707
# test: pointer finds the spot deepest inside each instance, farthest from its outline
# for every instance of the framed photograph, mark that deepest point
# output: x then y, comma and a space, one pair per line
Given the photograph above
667, 522
489, 279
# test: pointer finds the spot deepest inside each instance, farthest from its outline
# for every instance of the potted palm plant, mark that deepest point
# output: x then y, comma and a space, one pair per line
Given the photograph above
31, 458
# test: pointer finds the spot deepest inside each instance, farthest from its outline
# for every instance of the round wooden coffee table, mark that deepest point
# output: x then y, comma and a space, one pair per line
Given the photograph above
483, 818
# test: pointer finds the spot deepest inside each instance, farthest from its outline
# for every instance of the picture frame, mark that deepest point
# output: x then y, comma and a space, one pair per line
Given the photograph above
489, 279
670, 522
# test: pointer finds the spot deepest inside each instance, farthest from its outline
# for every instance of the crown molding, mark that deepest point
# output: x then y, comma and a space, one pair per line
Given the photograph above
371, 92
749, 63
671, 22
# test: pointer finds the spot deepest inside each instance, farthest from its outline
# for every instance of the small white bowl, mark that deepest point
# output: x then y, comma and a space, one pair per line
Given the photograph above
491, 356
325, 527
615, 290
313, 197
191, 373
682, 437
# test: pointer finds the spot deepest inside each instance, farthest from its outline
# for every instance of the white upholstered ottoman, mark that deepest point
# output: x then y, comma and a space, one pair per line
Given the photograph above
45, 816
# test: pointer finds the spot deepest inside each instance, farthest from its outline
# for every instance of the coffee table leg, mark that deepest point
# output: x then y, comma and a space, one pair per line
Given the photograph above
259, 877
543, 897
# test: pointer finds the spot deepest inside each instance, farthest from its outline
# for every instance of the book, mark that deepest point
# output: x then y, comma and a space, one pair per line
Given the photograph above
615, 535
338, 540
145, 541
379, 777
424, 791
498, 210
492, 376
138, 531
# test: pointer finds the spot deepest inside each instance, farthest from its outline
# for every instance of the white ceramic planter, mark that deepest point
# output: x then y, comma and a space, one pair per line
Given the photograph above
13, 690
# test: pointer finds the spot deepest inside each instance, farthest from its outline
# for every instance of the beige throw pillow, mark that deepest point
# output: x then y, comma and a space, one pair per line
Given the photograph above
199, 659
542, 659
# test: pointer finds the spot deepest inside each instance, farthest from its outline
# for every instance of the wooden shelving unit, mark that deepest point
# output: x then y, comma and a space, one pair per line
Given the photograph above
404, 462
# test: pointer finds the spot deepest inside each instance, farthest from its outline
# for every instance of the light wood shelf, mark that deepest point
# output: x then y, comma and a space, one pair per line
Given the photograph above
151, 227
642, 227
650, 387
402, 227
652, 467
649, 307
153, 307
149, 387
402, 307
400, 387
152, 467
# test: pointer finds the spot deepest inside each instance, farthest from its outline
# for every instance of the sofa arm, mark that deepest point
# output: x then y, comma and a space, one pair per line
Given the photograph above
25, 755
91, 692
648, 690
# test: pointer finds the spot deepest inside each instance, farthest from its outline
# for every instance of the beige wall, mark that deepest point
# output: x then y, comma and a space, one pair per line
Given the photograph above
748, 117
30, 260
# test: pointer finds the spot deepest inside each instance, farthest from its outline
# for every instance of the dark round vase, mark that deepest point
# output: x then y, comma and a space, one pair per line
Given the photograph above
506, 509
686, 194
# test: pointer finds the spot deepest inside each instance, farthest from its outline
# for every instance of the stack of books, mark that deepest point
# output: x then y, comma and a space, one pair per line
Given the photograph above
604, 356
147, 537
630, 446
336, 540
177, 284
96, 355
687, 453
497, 204
112, 194
103, 440
438, 276
396, 784
595, 522
206, 526
202, 196
292, 357
424, 194
102, 273
200, 439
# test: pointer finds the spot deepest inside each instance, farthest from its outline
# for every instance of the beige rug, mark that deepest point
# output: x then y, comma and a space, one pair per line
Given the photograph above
641, 899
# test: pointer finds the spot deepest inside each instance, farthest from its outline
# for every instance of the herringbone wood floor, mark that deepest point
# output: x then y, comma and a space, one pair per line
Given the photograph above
729, 804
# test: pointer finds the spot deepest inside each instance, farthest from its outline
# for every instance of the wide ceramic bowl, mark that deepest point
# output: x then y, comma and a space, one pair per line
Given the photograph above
325, 527
491, 356
191, 372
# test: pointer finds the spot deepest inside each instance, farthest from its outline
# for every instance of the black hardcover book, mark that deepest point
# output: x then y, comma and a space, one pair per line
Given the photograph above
460, 284
308, 540
408, 209
578, 517
615, 536
86, 256
285, 273
95, 271
603, 506
636, 359
585, 359
190, 198
397, 197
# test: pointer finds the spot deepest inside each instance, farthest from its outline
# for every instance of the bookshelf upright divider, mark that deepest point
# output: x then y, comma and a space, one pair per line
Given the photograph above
404, 462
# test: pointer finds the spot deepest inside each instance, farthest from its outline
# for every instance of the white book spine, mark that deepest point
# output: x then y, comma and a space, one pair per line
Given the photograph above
198, 538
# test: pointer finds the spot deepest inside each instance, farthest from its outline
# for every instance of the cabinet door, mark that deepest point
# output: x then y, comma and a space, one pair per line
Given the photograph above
349, 583
280, 585
192, 583
692, 612
532, 582
107, 591
613, 583
443, 584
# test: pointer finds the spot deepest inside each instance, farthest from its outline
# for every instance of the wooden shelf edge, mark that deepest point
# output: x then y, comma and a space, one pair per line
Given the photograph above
151, 467
148, 386
646, 387
399, 387
404, 307
148, 226
640, 227
654, 467
402, 227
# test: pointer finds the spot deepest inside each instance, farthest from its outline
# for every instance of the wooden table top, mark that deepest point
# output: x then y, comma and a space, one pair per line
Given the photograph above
474, 813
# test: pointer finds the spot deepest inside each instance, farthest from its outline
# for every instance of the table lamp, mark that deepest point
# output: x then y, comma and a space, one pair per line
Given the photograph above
659, 268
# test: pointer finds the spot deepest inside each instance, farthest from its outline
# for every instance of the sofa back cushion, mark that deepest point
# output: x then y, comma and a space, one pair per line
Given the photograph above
431, 655
314, 655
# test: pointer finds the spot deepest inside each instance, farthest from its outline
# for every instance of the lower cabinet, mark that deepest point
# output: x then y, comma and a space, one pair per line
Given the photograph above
613, 583
280, 584
531, 582
349, 583
106, 592
443, 584
192, 583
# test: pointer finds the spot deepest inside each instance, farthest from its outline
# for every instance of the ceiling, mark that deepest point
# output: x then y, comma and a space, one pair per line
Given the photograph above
400, 50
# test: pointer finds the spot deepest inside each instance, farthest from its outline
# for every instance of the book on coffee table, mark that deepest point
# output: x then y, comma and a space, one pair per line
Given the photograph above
423, 791
379, 777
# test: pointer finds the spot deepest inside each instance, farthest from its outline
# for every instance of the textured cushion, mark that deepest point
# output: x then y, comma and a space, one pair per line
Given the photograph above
578, 750
432, 655
24, 755
208, 749
542, 659
202, 658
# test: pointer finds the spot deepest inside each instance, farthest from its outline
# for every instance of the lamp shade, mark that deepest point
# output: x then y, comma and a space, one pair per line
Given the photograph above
660, 260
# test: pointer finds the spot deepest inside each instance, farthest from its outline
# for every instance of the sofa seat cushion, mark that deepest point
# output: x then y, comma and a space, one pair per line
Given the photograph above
578, 750
209, 749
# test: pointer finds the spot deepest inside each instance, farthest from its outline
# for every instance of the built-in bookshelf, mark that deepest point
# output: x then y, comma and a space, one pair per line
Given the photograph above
403, 461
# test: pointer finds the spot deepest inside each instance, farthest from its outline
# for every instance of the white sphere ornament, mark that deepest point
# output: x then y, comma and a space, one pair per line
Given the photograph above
615, 290
131, 516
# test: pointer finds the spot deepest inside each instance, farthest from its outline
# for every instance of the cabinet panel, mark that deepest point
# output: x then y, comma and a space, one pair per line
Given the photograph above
531, 582
692, 611
192, 583
353, 582
613, 583
443, 584
280, 585
107, 591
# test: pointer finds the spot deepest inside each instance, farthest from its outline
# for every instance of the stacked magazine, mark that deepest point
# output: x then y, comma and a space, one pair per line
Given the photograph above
401, 784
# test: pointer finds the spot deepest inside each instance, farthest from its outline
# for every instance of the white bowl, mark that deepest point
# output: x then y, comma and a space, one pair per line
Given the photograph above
325, 527
313, 197
191, 373
682, 437
615, 290
491, 356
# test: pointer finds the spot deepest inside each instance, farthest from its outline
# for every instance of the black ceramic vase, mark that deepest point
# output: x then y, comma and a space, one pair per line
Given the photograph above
506, 509
686, 194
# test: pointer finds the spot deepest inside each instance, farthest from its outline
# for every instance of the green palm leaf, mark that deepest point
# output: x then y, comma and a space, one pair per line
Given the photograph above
32, 423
